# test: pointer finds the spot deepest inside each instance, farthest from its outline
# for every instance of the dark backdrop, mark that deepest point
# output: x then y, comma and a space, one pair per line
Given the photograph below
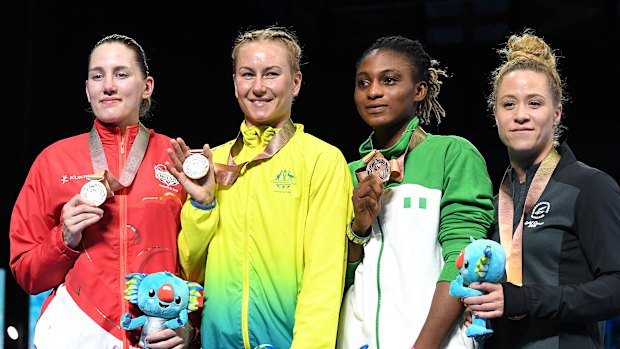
45, 47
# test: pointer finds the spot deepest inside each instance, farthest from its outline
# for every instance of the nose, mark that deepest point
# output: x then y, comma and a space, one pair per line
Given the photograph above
108, 85
259, 87
375, 90
166, 293
521, 114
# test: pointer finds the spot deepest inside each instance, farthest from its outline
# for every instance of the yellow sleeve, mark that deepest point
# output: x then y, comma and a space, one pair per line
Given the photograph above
197, 228
325, 252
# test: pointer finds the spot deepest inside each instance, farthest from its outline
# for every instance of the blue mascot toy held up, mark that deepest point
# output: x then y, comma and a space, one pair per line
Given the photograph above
165, 300
482, 260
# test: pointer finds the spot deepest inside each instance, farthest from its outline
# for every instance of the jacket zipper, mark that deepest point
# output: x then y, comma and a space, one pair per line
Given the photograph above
246, 283
123, 233
379, 283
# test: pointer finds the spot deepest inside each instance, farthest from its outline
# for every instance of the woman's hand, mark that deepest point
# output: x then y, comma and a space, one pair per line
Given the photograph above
201, 190
171, 339
78, 214
489, 305
366, 203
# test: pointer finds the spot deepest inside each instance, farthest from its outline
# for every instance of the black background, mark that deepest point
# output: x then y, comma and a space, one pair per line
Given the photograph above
46, 44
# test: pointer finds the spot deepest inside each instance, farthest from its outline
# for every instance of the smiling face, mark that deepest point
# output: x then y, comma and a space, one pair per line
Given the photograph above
116, 86
525, 114
265, 83
385, 93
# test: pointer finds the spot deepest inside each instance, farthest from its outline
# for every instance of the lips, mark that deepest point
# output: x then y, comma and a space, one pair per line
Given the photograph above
110, 100
376, 108
522, 130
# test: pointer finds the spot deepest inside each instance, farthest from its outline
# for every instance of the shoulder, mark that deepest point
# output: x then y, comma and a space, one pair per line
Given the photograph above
313, 143
585, 177
451, 141
159, 137
452, 146
65, 144
223, 147
578, 174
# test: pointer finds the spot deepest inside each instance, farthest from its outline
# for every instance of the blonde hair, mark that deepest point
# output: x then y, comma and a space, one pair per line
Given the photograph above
272, 33
527, 51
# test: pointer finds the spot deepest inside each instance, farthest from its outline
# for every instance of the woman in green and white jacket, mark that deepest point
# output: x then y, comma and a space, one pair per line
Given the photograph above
409, 229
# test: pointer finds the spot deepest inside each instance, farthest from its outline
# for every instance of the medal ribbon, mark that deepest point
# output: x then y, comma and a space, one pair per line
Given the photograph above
513, 243
136, 154
226, 174
396, 165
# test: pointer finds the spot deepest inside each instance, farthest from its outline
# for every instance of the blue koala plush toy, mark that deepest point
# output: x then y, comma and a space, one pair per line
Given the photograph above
164, 298
482, 260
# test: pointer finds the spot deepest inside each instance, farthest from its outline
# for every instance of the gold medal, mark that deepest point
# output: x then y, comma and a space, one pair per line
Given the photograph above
94, 190
379, 167
196, 166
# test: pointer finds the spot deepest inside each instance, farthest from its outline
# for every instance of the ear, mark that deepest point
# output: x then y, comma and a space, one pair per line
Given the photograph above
148, 88
557, 115
235, 84
87, 94
297, 83
420, 91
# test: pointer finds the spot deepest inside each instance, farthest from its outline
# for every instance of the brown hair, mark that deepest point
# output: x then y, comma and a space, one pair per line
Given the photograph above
133, 45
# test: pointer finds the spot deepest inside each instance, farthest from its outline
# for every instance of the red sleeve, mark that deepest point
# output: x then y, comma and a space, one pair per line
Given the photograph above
39, 257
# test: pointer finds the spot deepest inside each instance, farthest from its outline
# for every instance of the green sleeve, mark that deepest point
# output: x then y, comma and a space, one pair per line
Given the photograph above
466, 204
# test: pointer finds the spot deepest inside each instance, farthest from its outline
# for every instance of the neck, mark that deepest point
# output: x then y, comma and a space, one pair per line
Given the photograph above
521, 162
274, 124
122, 125
388, 135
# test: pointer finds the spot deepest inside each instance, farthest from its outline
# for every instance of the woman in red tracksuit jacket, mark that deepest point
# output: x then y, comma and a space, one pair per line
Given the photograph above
81, 246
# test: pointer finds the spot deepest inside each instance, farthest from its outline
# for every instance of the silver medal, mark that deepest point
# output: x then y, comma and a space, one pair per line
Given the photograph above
196, 166
94, 191
379, 167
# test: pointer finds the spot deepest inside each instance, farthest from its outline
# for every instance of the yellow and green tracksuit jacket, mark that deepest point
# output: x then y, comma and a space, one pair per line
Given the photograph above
275, 244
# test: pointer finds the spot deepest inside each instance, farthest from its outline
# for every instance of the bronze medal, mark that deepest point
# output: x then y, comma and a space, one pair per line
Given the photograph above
379, 167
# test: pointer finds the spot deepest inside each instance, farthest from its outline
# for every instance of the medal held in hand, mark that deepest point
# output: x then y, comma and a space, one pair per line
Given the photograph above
196, 166
379, 167
94, 190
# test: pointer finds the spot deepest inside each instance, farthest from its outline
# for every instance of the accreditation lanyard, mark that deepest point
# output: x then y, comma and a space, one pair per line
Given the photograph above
513, 243
128, 173
226, 174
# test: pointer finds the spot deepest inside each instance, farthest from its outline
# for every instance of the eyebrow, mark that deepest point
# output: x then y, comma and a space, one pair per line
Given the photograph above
116, 68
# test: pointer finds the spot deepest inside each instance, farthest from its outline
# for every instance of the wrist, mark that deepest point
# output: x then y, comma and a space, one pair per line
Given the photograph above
357, 239
359, 231
203, 206
206, 201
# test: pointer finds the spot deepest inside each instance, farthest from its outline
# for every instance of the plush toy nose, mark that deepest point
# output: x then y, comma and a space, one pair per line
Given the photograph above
460, 259
166, 293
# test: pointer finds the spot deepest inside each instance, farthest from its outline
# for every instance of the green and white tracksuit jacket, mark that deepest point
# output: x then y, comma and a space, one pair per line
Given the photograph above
425, 221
